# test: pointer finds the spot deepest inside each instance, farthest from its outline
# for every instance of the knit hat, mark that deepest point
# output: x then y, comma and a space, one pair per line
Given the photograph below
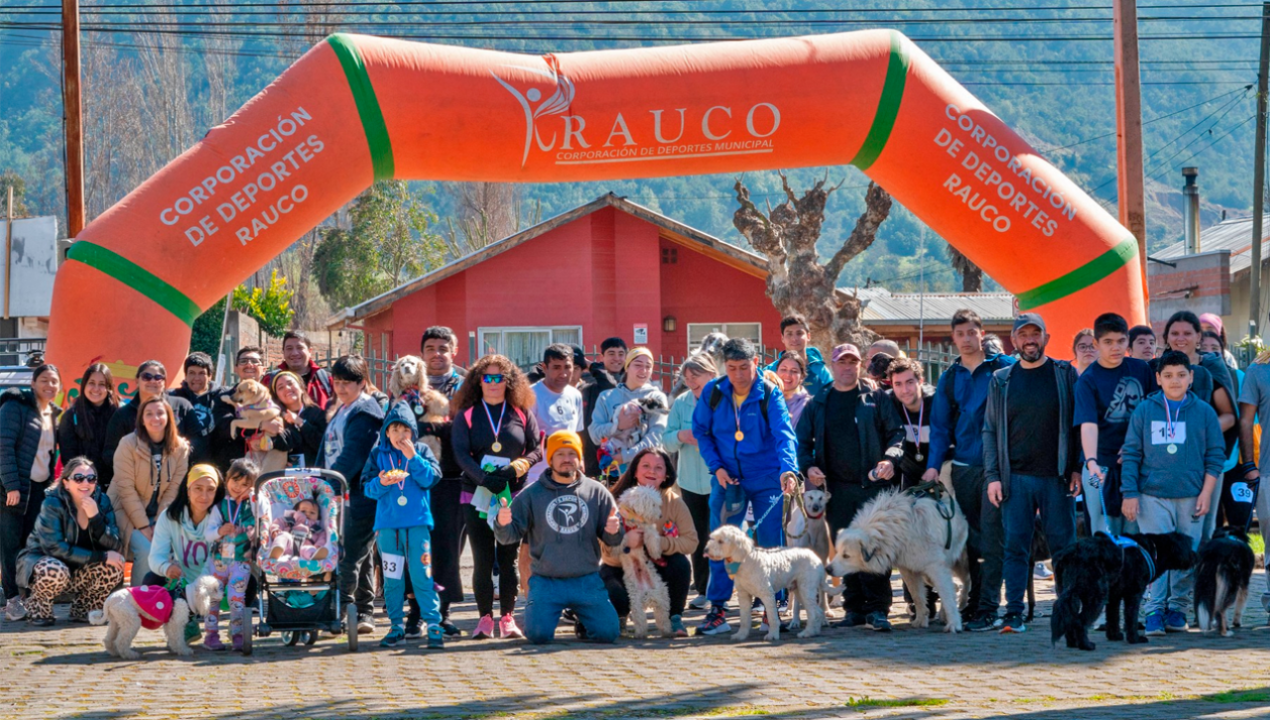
202, 470
563, 439
1213, 320
637, 352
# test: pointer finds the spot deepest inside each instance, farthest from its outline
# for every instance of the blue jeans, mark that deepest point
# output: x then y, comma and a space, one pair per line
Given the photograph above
415, 543
585, 595
139, 546
1029, 494
767, 534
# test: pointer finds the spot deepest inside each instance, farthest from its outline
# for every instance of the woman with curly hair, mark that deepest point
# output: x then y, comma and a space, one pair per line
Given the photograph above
496, 440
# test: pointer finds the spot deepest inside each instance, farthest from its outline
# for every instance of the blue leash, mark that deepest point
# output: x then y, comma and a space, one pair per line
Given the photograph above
754, 528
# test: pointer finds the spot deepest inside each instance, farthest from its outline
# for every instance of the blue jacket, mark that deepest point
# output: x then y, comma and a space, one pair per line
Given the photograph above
768, 449
423, 472
818, 376
957, 414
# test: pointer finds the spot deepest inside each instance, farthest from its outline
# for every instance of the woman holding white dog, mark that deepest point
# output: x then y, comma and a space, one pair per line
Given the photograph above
149, 466
652, 468
618, 412
693, 475
74, 548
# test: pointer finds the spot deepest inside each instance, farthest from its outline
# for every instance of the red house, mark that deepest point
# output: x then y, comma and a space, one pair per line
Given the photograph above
608, 268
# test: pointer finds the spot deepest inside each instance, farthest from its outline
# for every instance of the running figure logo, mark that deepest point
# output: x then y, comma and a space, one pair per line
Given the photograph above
557, 103
567, 514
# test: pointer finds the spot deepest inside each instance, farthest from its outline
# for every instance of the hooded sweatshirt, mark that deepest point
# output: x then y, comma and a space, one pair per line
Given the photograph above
1150, 469
423, 472
181, 543
817, 374
604, 421
564, 525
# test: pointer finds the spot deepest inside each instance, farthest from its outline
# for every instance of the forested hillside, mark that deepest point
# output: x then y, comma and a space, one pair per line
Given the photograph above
158, 75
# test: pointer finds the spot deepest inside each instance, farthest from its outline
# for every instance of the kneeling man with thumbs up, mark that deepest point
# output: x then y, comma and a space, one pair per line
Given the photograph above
564, 517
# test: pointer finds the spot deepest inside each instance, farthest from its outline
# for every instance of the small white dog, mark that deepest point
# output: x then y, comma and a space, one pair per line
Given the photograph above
641, 509
127, 610
923, 537
762, 572
807, 528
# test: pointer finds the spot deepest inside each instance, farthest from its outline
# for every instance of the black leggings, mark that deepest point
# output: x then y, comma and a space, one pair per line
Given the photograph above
699, 508
484, 549
675, 572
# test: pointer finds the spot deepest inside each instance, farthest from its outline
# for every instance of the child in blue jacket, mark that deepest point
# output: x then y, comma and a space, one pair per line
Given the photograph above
398, 474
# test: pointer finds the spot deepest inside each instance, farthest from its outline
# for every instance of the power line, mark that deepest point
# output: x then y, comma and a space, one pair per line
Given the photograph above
1153, 120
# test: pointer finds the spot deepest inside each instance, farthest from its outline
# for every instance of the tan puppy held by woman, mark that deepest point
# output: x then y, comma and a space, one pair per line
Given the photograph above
253, 406
762, 572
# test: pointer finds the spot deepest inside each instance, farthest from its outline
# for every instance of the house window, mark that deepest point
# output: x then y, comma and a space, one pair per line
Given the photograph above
524, 345
698, 332
670, 256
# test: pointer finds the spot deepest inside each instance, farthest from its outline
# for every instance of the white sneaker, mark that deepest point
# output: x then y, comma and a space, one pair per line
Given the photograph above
15, 610
1042, 572
700, 602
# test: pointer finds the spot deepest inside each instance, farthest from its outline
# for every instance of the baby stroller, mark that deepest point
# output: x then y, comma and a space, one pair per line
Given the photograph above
299, 597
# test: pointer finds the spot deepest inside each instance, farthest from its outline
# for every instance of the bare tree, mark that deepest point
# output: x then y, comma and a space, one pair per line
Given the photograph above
971, 274
797, 282
486, 213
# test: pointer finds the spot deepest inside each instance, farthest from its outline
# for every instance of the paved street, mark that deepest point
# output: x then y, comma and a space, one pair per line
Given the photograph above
854, 673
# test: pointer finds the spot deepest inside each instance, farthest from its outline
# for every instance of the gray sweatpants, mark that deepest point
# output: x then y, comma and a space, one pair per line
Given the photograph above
1172, 591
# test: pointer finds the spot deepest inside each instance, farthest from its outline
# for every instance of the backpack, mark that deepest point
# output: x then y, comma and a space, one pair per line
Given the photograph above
716, 397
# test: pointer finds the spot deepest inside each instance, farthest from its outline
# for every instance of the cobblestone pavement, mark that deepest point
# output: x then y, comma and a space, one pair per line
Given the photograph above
63, 672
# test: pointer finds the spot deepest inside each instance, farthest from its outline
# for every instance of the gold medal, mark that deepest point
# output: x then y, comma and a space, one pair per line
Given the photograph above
497, 446
739, 436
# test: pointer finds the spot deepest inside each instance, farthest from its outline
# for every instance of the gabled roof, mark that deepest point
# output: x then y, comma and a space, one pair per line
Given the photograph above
671, 230
882, 307
1234, 235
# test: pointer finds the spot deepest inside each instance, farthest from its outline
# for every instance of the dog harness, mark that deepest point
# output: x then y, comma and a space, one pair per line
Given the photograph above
154, 605
1124, 541
936, 491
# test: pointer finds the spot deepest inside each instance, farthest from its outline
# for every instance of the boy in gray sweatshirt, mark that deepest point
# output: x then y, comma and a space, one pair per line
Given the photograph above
1173, 455
564, 517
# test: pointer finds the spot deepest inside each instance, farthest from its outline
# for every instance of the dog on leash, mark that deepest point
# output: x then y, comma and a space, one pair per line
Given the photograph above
126, 611
253, 406
923, 535
641, 509
1221, 580
1114, 572
763, 572
806, 527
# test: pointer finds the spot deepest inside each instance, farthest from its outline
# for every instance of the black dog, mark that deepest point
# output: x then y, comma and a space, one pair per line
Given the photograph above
1221, 581
1099, 571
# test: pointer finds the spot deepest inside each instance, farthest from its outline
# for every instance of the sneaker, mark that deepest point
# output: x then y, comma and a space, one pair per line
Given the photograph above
451, 629
1175, 621
436, 637
877, 621
507, 628
484, 628
569, 615
211, 641
700, 602
1013, 623
716, 622
393, 638
414, 631
984, 622
366, 624
762, 626
852, 619
677, 626
580, 632
1042, 572
41, 622
1155, 624
15, 610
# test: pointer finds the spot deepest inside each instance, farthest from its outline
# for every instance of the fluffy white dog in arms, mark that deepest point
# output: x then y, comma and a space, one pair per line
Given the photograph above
640, 508
922, 536
762, 572
126, 611
806, 527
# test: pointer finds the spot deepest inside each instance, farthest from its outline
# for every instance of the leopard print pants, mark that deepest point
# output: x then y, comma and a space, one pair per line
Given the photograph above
90, 585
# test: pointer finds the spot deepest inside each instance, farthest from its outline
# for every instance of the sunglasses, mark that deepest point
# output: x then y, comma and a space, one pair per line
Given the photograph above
493, 379
80, 479
151, 377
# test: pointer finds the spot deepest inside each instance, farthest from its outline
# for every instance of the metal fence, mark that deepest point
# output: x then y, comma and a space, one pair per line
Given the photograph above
21, 351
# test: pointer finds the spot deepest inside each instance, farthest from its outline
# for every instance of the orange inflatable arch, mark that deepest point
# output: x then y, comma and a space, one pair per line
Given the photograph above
355, 109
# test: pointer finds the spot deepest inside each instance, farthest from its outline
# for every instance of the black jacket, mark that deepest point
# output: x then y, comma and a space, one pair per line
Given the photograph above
82, 432
306, 440
20, 428
361, 432
881, 434
441, 430
124, 421
910, 467
57, 534
996, 426
201, 421
601, 380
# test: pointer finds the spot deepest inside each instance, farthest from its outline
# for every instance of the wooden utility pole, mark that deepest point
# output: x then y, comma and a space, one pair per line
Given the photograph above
74, 118
1259, 178
1129, 176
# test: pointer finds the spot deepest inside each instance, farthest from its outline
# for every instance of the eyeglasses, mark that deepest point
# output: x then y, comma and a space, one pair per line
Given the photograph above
1086, 348
250, 361
493, 379
151, 377
80, 479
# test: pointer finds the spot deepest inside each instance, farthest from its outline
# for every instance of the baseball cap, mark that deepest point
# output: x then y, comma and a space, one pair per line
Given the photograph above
1026, 319
579, 356
845, 349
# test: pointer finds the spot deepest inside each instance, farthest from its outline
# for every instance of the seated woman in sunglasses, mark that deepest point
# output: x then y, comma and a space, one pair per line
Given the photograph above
152, 380
150, 464
74, 548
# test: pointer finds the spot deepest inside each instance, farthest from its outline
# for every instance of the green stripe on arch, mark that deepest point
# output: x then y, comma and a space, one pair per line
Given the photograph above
888, 105
367, 105
137, 278
1082, 277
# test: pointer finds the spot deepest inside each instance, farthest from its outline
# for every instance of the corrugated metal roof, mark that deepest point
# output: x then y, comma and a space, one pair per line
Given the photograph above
1234, 235
883, 306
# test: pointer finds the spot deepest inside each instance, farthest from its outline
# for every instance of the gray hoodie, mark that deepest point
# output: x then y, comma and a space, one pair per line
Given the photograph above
1150, 469
563, 525
651, 425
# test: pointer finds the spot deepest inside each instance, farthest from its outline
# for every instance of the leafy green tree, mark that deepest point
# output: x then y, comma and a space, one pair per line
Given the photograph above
10, 179
207, 330
271, 306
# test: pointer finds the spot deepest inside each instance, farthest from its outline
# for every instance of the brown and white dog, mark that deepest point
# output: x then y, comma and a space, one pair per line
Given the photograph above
807, 527
408, 381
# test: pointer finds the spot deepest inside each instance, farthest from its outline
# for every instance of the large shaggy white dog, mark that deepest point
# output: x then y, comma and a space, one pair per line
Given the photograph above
123, 616
641, 509
922, 536
762, 572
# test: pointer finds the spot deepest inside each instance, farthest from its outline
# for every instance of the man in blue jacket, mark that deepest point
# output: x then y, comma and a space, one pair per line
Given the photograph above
796, 336
745, 437
956, 433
